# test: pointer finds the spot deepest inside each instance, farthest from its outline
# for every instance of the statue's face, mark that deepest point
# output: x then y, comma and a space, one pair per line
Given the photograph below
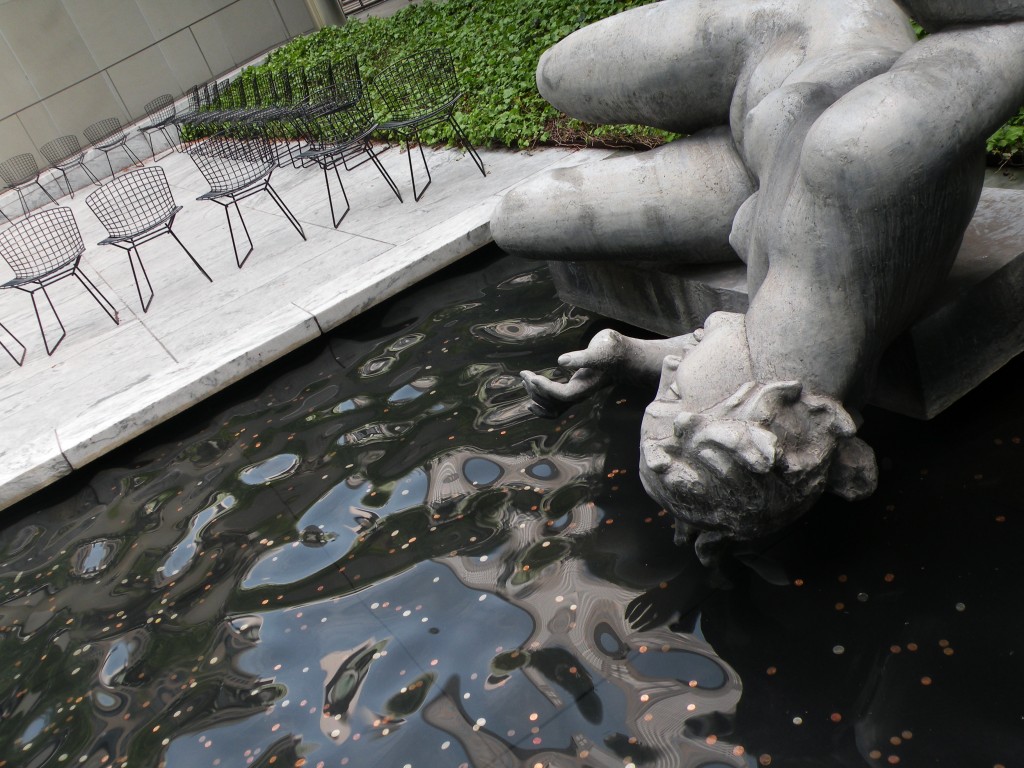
748, 466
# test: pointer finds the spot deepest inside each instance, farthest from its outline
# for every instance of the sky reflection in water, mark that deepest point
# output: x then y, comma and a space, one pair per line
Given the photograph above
373, 555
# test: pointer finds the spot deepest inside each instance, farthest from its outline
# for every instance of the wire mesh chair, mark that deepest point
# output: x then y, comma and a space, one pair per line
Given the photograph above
336, 135
19, 359
42, 249
19, 172
160, 112
65, 153
107, 135
418, 91
236, 168
134, 209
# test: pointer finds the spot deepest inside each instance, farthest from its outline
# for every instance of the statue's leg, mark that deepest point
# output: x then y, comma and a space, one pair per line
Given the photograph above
675, 204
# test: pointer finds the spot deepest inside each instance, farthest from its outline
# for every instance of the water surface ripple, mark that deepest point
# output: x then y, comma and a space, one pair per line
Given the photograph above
372, 554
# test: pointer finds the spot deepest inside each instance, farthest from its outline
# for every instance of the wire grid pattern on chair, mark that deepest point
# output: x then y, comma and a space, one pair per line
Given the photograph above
107, 135
231, 164
418, 85
160, 112
20, 171
336, 135
42, 249
134, 209
133, 203
41, 244
65, 153
420, 90
237, 168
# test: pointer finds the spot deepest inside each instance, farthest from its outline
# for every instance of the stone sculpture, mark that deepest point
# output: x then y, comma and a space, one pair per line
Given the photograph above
835, 155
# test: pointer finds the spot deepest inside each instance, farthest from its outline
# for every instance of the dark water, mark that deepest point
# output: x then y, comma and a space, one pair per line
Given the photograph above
372, 555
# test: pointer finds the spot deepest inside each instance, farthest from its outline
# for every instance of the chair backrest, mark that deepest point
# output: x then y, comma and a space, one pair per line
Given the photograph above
161, 108
104, 131
133, 202
18, 169
230, 163
418, 84
329, 125
41, 243
61, 149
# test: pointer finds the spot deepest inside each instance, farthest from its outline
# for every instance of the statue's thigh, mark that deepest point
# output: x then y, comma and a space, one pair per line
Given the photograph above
675, 203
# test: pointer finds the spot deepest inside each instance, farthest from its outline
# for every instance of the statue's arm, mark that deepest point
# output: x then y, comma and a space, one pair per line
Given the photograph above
866, 229
609, 357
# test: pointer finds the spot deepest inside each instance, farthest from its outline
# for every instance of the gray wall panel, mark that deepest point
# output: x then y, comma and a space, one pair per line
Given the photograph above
112, 30
296, 17
68, 63
16, 91
46, 43
187, 63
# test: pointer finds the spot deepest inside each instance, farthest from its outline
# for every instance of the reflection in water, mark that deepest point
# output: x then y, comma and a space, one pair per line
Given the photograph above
383, 559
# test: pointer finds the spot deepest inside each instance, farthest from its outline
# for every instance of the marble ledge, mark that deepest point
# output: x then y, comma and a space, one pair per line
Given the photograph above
385, 275
216, 367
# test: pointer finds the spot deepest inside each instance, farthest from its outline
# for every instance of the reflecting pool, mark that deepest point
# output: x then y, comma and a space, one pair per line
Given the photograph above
372, 554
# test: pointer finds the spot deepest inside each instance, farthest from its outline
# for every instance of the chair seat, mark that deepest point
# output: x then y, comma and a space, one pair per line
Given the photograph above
157, 220
44, 277
437, 113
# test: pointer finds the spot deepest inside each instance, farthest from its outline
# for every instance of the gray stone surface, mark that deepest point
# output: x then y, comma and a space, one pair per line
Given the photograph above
107, 384
842, 161
972, 327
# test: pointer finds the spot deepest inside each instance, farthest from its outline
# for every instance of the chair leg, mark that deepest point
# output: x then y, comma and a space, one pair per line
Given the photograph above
124, 144
67, 182
46, 192
138, 286
284, 209
412, 175
35, 305
187, 251
231, 231
170, 139
466, 143
90, 174
95, 292
19, 360
106, 153
21, 198
383, 172
330, 200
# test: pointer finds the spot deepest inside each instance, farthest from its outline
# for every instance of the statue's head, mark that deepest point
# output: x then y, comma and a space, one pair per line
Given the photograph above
754, 462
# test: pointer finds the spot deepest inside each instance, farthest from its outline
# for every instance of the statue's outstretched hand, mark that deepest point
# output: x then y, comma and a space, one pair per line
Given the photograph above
594, 370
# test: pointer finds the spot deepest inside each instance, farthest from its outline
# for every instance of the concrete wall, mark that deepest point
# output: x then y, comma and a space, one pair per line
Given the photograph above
69, 63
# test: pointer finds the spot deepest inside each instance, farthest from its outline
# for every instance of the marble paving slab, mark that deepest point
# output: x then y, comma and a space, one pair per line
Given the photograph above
107, 384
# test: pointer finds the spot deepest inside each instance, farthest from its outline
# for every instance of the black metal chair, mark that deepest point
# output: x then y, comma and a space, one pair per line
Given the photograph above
160, 112
65, 153
19, 172
237, 167
19, 359
42, 249
135, 208
107, 135
335, 135
418, 91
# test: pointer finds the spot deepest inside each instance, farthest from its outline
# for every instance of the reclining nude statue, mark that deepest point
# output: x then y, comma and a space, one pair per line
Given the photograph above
834, 154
